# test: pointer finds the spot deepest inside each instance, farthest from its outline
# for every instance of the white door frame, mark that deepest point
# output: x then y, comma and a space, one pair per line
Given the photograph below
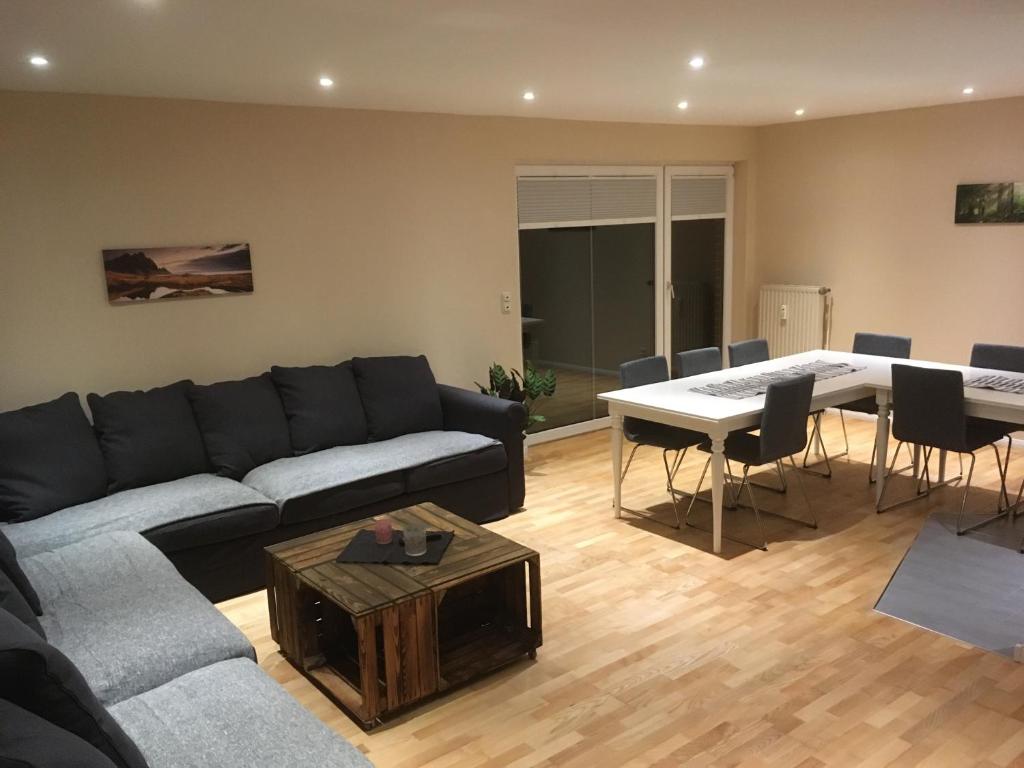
671, 171
652, 171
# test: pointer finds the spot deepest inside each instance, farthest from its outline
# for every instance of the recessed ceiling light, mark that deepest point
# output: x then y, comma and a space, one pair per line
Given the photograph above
326, 82
968, 90
697, 62
529, 96
799, 112
39, 61
683, 104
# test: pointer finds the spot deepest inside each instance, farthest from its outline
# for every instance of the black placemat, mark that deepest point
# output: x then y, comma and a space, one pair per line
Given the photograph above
365, 549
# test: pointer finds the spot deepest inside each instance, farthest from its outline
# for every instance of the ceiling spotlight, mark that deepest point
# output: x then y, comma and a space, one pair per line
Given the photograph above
697, 62
326, 82
799, 112
529, 96
968, 90
39, 61
683, 104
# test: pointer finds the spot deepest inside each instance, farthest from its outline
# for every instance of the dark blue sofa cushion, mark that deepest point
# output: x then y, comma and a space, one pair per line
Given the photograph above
27, 740
242, 423
148, 437
399, 395
322, 405
38, 678
49, 459
12, 569
12, 601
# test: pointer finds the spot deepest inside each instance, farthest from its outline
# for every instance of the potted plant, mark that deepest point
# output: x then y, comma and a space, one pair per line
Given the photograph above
525, 388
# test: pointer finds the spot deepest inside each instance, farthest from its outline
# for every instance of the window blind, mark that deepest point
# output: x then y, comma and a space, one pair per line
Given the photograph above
573, 201
698, 196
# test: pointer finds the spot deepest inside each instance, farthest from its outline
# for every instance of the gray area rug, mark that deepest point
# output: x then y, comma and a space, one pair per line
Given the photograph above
967, 587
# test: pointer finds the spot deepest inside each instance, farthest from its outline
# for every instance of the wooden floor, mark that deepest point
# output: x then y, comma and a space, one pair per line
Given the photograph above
658, 653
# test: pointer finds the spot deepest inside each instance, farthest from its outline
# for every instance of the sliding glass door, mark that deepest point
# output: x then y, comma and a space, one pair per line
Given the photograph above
590, 268
698, 245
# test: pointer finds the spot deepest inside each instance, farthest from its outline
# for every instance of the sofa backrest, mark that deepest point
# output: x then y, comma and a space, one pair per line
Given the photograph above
39, 679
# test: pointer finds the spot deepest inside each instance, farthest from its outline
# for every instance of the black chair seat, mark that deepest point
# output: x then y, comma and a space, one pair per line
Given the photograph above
982, 432
864, 405
662, 436
742, 447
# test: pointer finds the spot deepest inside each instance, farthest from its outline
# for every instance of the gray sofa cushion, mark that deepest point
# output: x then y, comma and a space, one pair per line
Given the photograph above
180, 506
322, 405
230, 715
340, 499
117, 608
299, 476
148, 437
49, 458
30, 741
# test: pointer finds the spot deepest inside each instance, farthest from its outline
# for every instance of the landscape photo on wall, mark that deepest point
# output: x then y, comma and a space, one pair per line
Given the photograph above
1001, 203
142, 274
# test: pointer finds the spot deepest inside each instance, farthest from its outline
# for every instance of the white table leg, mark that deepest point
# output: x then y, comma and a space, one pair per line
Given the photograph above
917, 461
881, 443
717, 490
617, 464
942, 466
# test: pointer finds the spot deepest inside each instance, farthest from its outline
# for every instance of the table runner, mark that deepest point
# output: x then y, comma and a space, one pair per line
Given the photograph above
997, 383
752, 386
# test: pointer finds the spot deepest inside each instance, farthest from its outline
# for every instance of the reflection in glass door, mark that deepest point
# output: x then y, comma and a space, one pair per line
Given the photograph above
589, 261
698, 241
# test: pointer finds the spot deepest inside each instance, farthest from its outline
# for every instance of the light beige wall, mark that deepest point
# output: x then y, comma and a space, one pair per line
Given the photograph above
371, 232
865, 205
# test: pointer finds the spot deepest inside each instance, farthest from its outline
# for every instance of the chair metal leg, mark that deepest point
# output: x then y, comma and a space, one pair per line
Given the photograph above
696, 492
629, 461
880, 507
671, 490
1001, 511
803, 492
743, 483
816, 435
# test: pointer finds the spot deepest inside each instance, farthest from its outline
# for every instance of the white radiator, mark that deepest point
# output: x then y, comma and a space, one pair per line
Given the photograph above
795, 318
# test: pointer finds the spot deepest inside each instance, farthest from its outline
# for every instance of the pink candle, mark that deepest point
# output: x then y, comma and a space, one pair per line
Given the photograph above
382, 530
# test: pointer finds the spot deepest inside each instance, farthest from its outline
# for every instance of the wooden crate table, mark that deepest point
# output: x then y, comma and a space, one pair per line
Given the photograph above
379, 638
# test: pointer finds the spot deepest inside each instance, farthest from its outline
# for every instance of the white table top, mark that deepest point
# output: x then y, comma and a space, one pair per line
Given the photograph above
675, 398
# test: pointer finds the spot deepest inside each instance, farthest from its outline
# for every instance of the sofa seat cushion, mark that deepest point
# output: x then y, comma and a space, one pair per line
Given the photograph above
231, 715
454, 469
286, 480
117, 608
148, 437
192, 511
49, 459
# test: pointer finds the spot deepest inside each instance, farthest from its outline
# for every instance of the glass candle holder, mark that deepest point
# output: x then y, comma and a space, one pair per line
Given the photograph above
415, 538
382, 530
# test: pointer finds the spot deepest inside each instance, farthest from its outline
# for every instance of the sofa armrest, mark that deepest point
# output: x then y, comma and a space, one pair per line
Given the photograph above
502, 420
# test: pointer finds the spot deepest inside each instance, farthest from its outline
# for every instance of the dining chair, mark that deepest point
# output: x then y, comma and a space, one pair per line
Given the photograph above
747, 352
929, 411
877, 344
783, 433
640, 432
694, 362
1003, 357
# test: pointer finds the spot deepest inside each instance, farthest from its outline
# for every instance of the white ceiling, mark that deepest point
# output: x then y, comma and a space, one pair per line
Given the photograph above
587, 59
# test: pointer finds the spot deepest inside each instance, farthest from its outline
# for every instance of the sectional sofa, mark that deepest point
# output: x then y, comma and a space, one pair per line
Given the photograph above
116, 534
213, 474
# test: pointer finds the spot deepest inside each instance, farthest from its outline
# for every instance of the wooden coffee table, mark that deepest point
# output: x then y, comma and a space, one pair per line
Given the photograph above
378, 639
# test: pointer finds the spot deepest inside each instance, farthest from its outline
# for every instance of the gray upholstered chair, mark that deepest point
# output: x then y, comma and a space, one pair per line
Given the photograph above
747, 352
928, 410
640, 432
1002, 357
878, 344
783, 433
694, 362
